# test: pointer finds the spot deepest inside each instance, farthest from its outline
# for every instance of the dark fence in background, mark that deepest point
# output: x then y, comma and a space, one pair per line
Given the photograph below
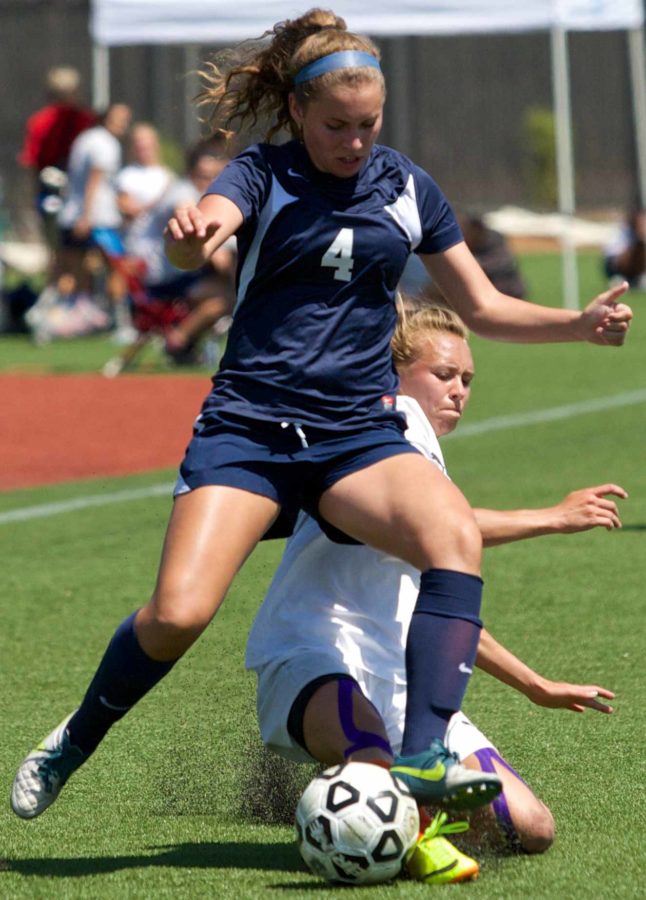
459, 106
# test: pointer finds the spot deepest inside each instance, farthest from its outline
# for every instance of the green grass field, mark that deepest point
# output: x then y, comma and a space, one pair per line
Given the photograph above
179, 801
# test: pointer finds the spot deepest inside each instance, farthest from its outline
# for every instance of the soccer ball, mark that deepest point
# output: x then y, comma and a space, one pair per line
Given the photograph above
356, 824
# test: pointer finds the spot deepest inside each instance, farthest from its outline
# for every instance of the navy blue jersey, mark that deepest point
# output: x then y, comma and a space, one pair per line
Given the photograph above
320, 258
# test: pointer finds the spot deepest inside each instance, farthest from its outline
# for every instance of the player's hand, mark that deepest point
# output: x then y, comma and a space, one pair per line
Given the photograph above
589, 508
577, 697
188, 222
186, 233
605, 320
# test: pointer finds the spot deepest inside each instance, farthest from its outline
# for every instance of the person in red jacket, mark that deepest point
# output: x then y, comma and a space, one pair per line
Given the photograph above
49, 134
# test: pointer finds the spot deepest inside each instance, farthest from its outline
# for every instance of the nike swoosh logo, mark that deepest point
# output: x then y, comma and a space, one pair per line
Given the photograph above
294, 174
463, 667
435, 774
448, 868
112, 706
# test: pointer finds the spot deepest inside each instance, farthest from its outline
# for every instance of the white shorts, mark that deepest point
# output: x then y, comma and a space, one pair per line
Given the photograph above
280, 683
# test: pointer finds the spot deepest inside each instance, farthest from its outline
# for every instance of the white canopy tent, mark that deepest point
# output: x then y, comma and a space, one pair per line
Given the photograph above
127, 22
121, 22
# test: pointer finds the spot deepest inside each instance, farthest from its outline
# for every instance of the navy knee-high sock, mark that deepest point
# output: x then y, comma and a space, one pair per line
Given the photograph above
124, 676
440, 653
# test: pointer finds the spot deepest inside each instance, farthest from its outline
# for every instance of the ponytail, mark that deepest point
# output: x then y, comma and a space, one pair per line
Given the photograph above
252, 82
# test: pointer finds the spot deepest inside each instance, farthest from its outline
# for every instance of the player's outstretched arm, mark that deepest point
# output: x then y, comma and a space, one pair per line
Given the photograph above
579, 511
194, 233
493, 315
499, 662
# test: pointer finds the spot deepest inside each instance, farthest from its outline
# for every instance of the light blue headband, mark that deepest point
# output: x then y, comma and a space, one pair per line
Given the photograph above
344, 59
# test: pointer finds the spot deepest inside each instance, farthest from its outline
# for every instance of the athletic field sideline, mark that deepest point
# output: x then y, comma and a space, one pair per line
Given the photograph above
179, 801
555, 414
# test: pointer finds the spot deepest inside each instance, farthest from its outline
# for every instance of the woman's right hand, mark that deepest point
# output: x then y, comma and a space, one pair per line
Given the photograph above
187, 233
577, 697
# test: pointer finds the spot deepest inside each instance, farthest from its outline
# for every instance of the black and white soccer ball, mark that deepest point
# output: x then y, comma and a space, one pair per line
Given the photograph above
356, 824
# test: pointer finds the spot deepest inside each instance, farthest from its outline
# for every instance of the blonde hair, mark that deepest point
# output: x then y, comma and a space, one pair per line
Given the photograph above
253, 81
62, 82
417, 326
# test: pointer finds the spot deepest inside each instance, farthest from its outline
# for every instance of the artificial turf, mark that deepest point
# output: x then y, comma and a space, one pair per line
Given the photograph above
180, 801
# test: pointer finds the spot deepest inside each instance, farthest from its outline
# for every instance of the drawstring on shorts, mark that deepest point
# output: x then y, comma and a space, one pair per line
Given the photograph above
299, 431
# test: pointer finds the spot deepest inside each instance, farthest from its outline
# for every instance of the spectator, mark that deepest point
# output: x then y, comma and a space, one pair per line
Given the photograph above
492, 251
624, 255
207, 293
210, 291
142, 182
140, 186
49, 135
90, 204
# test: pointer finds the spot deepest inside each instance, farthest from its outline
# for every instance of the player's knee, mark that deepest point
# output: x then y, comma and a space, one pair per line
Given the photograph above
176, 624
535, 828
182, 621
469, 539
460, 547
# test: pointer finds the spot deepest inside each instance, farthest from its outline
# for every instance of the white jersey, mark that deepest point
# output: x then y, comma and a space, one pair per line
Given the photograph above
95, 148
351, 602
342, 609
157, 188
145, 184
147, 241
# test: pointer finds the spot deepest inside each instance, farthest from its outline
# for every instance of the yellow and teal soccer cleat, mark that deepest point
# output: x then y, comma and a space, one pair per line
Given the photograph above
436, 778
435, 860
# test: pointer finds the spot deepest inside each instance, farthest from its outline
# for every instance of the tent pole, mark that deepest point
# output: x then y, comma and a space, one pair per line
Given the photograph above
191, 120
638, 86
564, 163
100, 76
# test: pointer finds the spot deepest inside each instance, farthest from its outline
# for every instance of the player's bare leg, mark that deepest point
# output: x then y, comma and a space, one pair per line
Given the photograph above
211, 532
516, 819
341, 725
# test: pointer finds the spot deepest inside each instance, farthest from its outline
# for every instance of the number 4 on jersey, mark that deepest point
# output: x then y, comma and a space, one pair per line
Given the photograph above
339, 255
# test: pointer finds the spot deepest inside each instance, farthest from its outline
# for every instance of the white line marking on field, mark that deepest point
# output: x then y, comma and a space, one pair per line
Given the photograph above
497, 423
44, 510
568, 411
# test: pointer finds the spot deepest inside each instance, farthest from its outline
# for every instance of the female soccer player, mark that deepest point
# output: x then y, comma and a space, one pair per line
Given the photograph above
328, 642
301, 414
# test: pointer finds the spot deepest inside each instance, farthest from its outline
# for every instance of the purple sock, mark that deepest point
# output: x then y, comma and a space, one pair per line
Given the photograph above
486, 757
440, 654
361, 740
124, 676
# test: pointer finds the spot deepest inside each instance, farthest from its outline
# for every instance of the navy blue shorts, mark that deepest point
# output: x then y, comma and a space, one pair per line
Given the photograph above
282, 461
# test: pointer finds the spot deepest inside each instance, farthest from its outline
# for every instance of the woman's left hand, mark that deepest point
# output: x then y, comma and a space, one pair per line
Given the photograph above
605, 320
